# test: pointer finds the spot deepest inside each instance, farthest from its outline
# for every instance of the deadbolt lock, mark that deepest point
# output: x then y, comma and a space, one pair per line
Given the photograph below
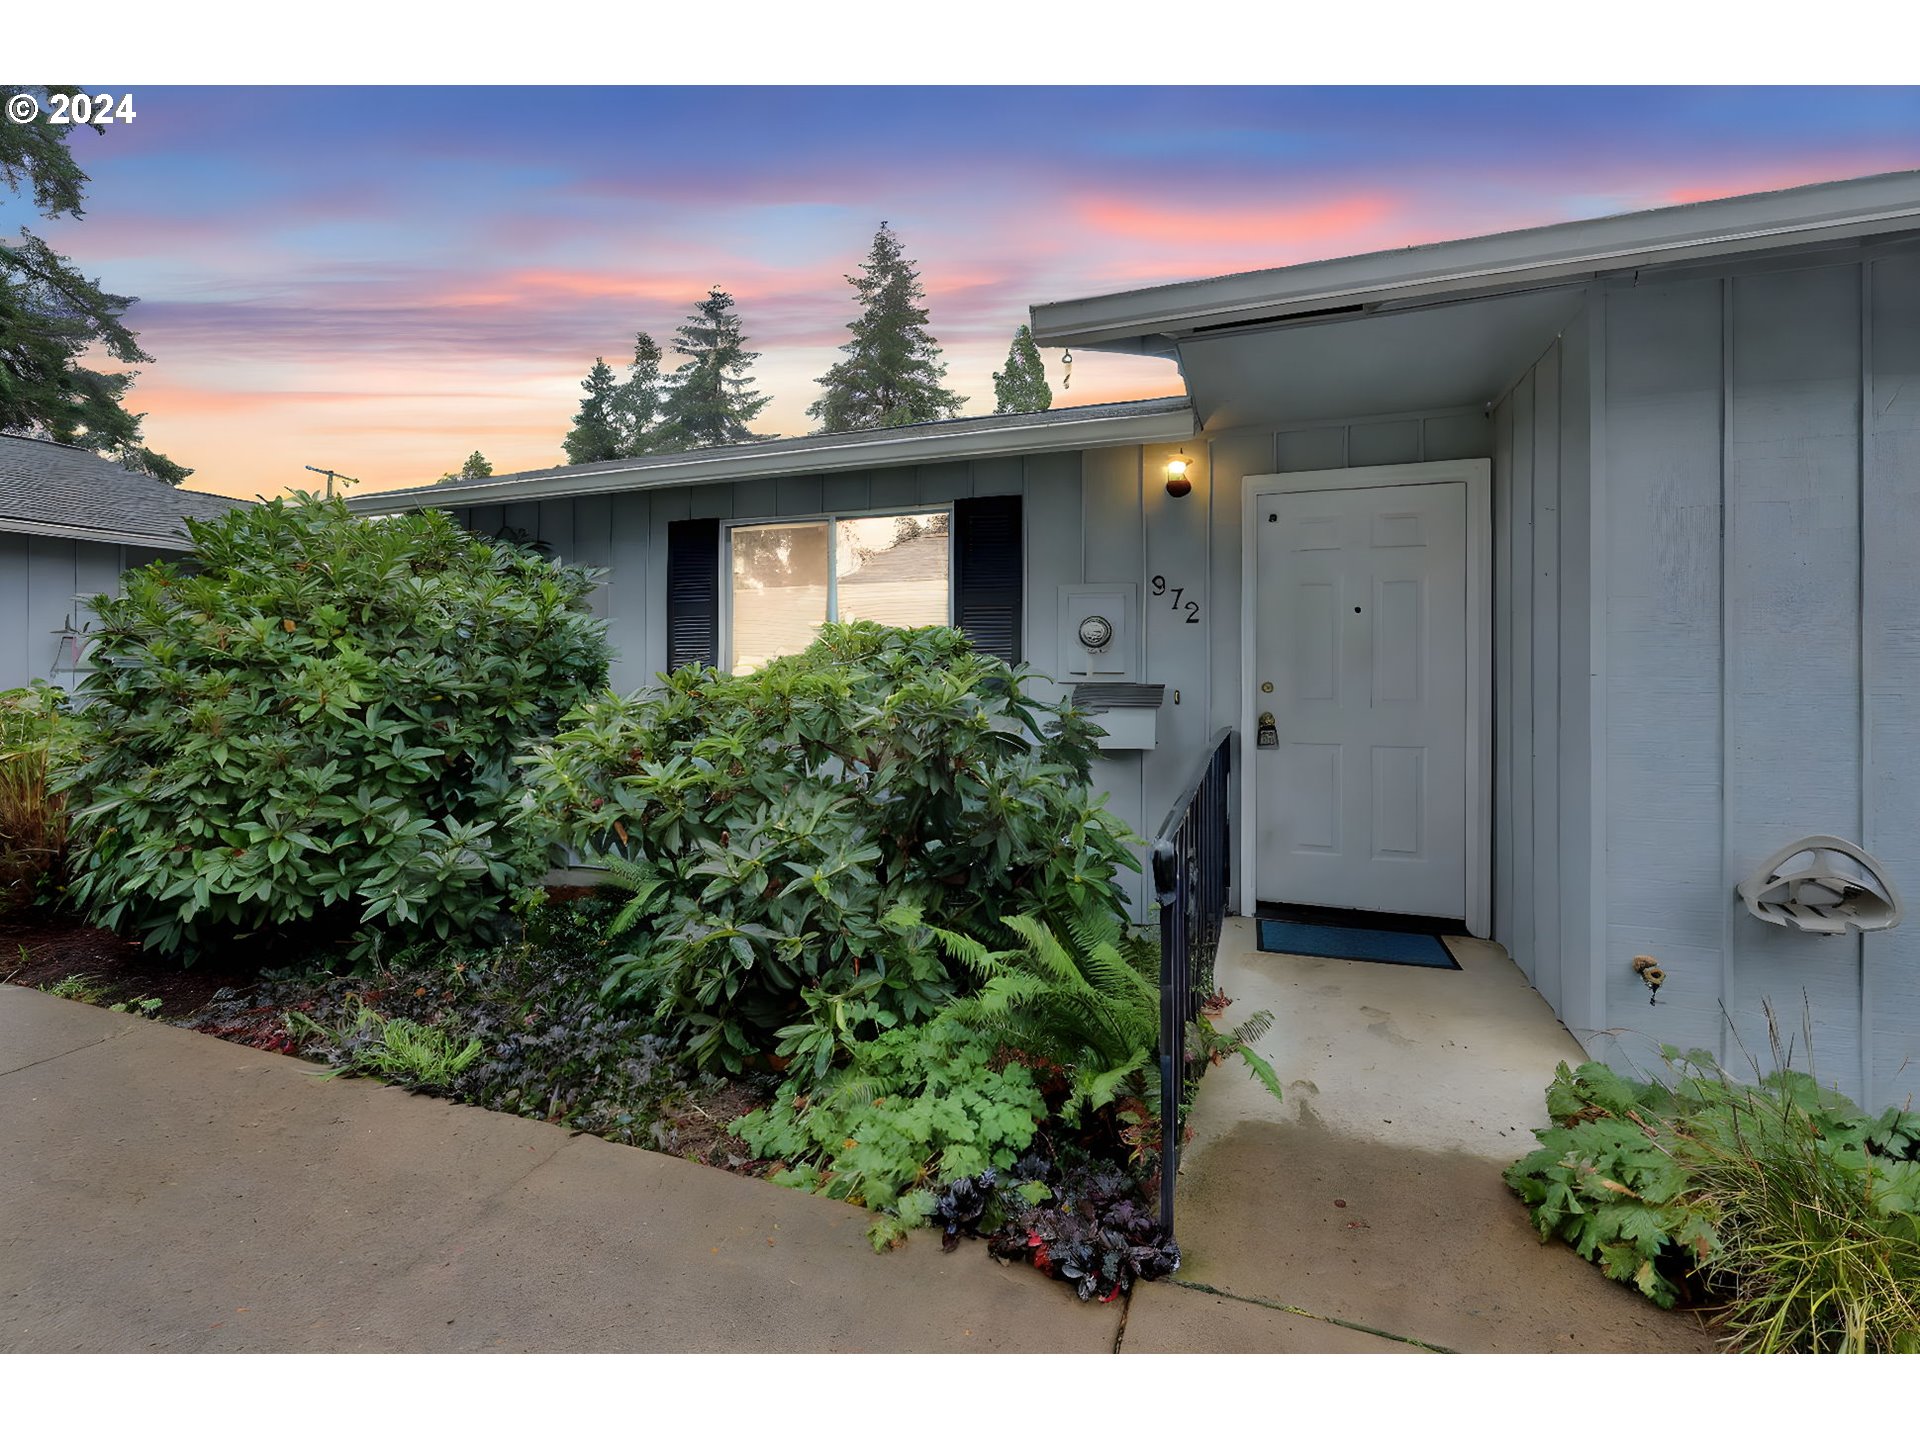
1266, 687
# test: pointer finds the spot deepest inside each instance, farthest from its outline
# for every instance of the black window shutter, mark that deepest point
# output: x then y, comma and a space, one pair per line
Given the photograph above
988, 565
693, 593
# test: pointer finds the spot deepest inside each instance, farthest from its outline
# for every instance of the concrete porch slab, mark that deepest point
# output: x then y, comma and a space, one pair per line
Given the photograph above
1375, 1194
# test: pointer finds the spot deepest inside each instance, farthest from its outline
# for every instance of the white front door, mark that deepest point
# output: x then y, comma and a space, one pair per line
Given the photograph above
1361, 628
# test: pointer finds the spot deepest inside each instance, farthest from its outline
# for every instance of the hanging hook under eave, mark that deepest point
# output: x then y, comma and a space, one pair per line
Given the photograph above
1066, 364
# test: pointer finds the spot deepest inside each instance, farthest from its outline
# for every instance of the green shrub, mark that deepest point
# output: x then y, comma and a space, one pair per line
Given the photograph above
791, 833
319, 727
1784, 1199
1608, 1180
36, 738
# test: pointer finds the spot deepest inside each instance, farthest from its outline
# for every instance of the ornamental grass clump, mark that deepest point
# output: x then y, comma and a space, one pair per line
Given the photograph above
314, 728
36, 737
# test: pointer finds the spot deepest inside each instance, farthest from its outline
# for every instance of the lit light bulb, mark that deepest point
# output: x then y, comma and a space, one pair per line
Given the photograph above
1177, 482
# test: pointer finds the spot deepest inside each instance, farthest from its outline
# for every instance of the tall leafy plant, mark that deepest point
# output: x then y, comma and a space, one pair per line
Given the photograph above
790, 835
36, 736
318, 726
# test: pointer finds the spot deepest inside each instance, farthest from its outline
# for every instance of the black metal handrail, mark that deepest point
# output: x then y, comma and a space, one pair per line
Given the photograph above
1192, 867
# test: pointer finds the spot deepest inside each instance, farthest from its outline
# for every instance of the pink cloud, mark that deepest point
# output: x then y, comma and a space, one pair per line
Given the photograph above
1270, 227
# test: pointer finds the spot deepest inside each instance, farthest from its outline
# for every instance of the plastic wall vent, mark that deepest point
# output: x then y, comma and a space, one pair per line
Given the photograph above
1824, 885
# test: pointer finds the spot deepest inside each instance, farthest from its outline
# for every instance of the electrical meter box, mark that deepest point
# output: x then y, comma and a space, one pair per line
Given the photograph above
1098, 635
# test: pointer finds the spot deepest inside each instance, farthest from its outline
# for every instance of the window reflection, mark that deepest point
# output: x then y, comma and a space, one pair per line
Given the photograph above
779, 591
893, 569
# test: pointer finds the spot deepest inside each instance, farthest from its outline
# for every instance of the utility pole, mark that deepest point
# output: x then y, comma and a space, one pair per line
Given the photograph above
331, 474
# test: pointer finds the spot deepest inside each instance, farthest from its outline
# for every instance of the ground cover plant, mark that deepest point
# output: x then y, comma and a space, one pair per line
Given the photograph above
1027, 1110
1782, 1200
316, 731
36, 738
518, 1027
917, 1108
790, 837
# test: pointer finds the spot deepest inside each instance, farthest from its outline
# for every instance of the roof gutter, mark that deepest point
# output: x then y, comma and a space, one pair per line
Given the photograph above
11, 525
861, 452
1154, 319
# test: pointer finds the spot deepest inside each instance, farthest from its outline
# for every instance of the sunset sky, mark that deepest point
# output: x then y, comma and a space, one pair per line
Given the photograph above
383, 280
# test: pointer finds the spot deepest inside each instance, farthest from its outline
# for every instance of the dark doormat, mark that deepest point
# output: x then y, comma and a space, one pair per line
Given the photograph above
1339, 942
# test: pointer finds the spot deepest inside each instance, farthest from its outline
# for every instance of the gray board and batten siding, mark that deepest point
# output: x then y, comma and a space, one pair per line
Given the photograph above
1758, 455
45, 581
1542, 751
71, 523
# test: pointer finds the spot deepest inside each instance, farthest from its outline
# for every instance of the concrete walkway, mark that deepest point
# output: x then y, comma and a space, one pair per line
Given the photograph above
166, 1191
1374, 1196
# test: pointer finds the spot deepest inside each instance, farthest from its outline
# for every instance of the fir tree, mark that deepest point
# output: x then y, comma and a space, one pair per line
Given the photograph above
596, 433
51, 315
637, 404
711, 400
476, 467
1022, 387
892, 372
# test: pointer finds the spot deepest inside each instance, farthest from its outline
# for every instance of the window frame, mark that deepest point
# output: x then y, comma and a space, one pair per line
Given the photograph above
831, 519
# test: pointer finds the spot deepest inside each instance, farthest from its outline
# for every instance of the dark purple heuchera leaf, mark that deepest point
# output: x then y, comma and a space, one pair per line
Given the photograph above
1096, 1233
962, 1204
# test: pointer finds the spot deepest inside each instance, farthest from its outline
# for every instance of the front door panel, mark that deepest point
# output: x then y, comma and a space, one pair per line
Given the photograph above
1361, 629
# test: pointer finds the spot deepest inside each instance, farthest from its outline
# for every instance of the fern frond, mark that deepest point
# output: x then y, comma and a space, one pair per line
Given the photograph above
859, 1088
1263, 1072
1252, 1028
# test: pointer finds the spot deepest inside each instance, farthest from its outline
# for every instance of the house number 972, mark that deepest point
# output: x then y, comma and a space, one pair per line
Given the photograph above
1192, 607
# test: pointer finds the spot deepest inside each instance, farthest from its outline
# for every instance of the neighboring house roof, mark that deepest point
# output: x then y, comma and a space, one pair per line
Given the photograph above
51, 489
1155, 319
1082, 427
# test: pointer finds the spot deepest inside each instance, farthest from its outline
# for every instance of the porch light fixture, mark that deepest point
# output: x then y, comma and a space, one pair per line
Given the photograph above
1178, 483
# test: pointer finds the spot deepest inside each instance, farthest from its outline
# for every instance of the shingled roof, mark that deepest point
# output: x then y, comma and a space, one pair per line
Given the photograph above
52, 489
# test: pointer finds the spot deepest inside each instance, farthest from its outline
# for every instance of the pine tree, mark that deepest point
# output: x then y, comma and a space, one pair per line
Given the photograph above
51, 315
710, 400
596, 433
1022, 387
892, 372
637, 404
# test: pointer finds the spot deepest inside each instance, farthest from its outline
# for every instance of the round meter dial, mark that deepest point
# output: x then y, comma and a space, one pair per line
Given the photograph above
1096, 632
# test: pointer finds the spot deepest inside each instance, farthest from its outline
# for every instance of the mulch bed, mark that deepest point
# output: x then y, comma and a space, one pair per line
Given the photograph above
39, 950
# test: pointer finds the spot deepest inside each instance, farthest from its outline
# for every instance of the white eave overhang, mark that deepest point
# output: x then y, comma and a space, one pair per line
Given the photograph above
1148, 424
1155, 320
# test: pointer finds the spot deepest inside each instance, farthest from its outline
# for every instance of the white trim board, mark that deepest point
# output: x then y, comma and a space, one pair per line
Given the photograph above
135, 539
1044, 433
1477, 476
